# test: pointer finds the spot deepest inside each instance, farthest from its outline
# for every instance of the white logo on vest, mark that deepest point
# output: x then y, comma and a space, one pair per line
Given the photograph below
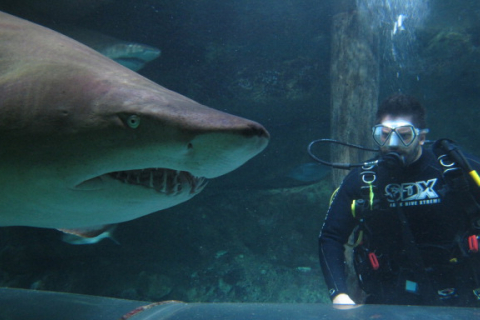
412, 193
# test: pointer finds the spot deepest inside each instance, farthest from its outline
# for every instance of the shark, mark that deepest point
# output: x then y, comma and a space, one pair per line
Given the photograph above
100, 235
86, 142
132, 55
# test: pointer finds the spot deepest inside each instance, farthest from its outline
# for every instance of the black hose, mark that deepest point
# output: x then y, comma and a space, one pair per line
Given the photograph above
346, 166
390, 159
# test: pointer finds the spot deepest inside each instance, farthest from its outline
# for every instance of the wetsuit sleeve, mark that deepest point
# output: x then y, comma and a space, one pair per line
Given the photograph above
335, 232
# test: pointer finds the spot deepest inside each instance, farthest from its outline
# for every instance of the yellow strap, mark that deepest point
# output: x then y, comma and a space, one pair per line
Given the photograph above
359, 240
353, 208
475, 177
371, 195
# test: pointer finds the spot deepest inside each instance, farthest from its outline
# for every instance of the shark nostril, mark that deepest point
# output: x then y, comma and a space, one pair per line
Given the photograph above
189, 145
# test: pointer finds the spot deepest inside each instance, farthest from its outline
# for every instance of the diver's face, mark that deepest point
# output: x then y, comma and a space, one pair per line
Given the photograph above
396, 141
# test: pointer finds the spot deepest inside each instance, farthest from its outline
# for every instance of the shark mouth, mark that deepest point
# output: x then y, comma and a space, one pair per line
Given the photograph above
170, 182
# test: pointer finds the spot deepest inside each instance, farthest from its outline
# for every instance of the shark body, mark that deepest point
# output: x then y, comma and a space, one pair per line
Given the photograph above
85, 141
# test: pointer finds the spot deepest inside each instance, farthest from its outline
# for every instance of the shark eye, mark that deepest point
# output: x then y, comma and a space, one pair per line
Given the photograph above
133, 121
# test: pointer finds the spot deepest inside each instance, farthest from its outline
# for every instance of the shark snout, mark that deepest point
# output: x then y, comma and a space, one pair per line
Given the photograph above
217, 153
256, 130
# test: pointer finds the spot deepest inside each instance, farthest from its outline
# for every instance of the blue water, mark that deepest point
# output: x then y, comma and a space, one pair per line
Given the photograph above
309, 172
399, 22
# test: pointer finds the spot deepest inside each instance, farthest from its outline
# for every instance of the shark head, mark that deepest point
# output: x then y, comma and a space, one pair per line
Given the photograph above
85, 141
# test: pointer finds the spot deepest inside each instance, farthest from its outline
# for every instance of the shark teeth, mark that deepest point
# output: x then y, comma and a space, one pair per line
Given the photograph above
171, 182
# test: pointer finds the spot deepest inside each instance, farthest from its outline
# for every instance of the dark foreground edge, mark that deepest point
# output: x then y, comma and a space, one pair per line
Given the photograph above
21, 304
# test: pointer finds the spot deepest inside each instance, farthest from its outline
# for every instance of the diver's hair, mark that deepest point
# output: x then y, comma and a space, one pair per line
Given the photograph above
402, 105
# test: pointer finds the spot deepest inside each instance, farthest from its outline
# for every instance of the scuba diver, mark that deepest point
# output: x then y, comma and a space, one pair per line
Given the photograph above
412, 217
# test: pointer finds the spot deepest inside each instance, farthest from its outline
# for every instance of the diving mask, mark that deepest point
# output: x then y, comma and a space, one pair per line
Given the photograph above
395, 133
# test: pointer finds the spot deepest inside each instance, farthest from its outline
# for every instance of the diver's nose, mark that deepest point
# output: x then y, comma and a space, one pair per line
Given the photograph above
394, 141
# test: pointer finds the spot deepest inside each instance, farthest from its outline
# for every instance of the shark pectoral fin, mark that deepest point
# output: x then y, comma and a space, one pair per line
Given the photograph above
89, 235
90, 232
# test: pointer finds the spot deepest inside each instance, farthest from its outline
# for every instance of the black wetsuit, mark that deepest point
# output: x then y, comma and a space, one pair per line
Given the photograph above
435, 219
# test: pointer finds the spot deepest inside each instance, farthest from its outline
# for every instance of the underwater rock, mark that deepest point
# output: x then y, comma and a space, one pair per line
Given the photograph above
154, 287
448, 53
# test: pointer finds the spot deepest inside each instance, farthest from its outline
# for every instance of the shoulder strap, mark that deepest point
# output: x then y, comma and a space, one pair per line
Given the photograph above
456, 169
